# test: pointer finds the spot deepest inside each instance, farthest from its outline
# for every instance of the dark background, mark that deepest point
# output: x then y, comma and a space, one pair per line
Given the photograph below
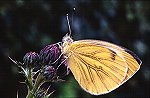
29, 25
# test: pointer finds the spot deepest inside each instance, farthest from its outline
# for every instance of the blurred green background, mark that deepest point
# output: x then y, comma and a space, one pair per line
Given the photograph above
29, 25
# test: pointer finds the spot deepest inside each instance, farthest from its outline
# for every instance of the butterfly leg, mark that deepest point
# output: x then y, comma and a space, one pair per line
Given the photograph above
61, 63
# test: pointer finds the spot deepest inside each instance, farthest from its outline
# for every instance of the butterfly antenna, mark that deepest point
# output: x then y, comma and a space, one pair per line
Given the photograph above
73, 14
68, 24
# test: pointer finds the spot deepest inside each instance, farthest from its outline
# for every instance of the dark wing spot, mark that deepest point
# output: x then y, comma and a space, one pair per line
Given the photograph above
113, 55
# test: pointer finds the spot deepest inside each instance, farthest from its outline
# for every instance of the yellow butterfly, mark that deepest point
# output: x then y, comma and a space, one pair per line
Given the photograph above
99, 66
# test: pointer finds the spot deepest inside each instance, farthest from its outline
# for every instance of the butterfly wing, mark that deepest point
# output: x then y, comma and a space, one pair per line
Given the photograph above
98, 67
131, 58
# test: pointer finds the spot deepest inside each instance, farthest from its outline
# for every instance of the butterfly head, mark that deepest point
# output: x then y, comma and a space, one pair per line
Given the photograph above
67, 40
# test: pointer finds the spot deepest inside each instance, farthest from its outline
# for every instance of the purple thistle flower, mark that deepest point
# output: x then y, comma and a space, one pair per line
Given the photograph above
49, 72
50, 54
31, 58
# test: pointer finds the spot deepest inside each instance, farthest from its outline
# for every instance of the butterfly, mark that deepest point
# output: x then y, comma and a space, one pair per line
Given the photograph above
98, 66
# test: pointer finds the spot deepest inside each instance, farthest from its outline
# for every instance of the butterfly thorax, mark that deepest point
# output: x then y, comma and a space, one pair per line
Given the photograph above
67, 41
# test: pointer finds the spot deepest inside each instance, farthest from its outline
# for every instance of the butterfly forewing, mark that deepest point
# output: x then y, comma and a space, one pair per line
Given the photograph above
97, 69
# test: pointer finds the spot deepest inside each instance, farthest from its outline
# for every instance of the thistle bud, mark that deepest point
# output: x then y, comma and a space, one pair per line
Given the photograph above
49, 72
50, 54
31, 58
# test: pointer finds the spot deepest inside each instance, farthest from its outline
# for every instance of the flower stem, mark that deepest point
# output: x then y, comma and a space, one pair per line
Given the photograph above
30, 78
39, 81
29, 83
30, 95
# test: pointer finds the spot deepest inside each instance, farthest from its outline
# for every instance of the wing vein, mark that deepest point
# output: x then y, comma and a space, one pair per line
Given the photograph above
94, 58
104, 72
89, 71
79, 65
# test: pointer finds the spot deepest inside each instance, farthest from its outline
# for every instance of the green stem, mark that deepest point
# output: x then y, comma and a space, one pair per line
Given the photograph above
38, 82
33, 88
29, 83
30, 95
30, 78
